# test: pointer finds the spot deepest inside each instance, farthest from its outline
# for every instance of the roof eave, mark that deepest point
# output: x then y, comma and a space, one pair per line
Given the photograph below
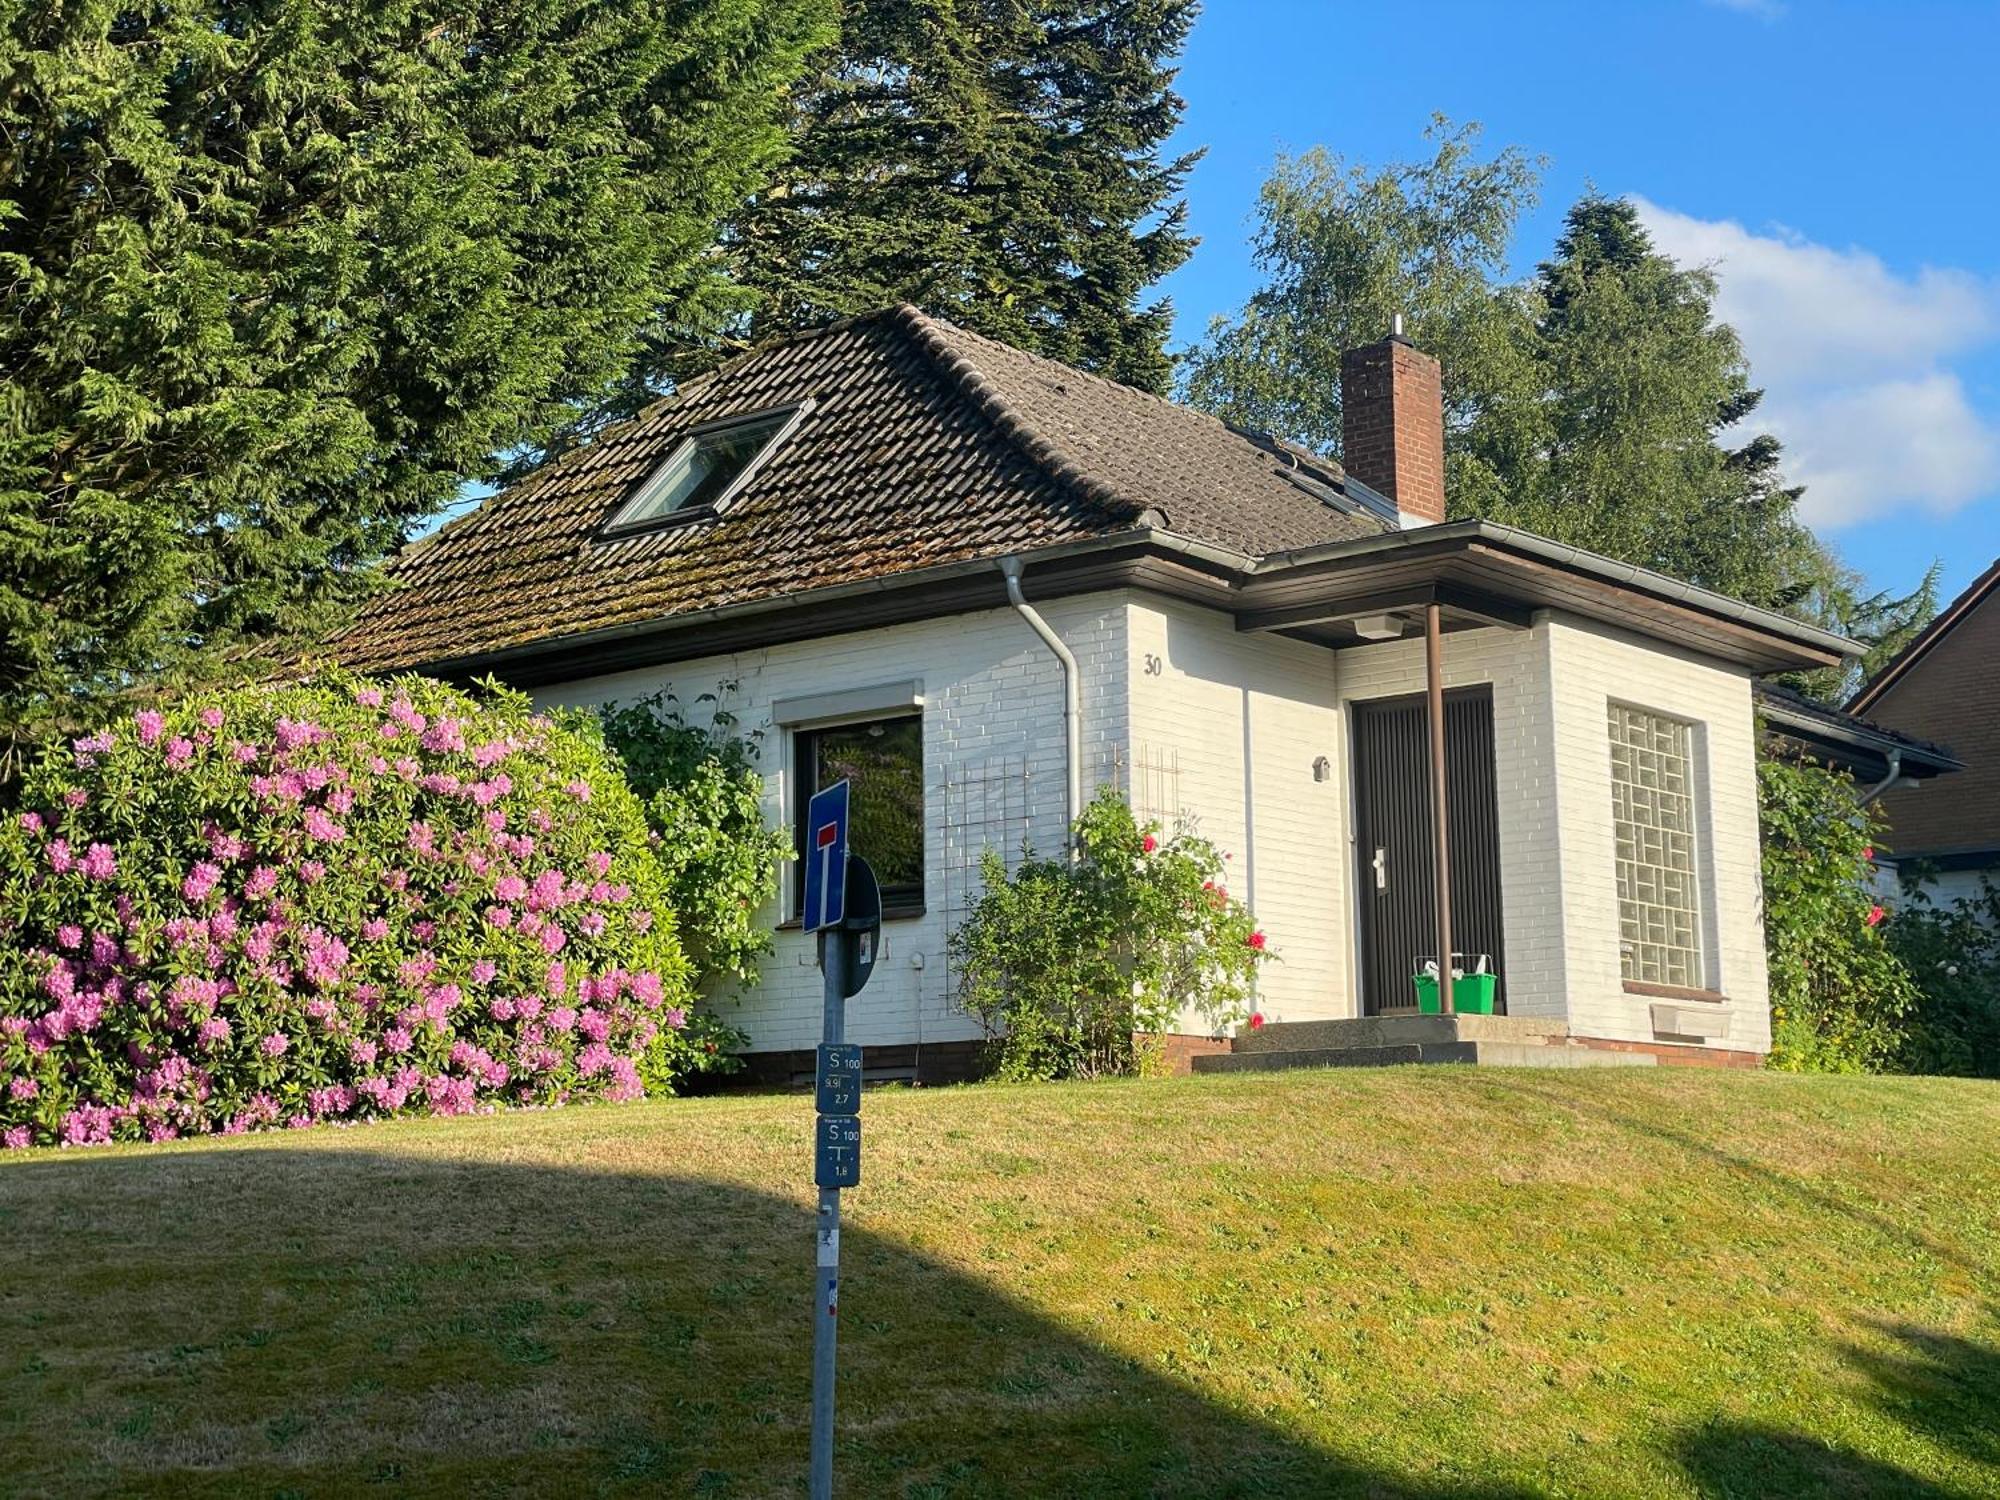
1578, 560
1916, 761
1216, 575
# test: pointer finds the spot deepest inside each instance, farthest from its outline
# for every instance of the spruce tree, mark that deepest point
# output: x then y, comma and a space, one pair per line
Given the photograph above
280, 276
1642, 387
1598, 402
998, 162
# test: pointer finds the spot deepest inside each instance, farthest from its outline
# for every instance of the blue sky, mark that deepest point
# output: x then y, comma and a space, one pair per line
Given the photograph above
1835, 162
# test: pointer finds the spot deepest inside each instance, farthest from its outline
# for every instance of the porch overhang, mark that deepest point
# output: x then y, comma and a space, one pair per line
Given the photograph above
1480, 574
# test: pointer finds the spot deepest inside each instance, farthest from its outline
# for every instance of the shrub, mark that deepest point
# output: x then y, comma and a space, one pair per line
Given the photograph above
704, 800
1063, 961
1839, 993
333, 900
1953, 954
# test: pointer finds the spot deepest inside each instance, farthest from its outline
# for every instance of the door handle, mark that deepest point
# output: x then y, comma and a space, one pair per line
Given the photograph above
1381, 863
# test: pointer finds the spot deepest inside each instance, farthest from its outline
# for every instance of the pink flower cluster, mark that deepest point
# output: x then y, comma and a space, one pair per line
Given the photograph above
316, 927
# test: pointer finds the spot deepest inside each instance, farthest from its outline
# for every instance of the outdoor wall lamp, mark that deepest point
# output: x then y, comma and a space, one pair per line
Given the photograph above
1378, 627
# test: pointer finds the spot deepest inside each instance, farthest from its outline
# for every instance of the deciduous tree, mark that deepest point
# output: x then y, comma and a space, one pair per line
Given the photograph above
1599, 402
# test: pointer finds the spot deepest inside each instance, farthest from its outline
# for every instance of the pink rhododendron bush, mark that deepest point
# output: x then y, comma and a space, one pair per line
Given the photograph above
333, 901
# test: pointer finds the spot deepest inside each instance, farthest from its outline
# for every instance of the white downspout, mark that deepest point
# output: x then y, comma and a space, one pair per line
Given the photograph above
1010, 569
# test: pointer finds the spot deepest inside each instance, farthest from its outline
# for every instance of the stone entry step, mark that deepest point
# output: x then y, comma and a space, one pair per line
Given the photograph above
1392, 1031
1486, 1054
1393, 1041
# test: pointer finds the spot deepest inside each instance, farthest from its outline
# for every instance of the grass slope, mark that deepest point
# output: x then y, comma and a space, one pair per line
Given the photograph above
1399, 1283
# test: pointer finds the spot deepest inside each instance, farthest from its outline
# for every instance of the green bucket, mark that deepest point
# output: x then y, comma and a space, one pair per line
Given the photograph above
1471, 994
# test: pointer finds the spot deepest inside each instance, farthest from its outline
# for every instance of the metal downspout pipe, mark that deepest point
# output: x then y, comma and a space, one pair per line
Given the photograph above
1010, 569
1895, 775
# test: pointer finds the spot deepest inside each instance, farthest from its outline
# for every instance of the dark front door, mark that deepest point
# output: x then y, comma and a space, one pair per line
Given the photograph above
1394, 847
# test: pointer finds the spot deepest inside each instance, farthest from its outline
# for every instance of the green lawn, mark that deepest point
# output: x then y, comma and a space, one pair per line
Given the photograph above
1399, 1283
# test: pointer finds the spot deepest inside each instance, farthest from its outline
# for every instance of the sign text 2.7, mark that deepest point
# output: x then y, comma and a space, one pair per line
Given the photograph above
837, 1079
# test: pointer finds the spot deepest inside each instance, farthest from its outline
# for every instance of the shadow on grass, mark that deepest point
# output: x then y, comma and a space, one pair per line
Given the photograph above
306, 1322
1938, 1386
1944, 1388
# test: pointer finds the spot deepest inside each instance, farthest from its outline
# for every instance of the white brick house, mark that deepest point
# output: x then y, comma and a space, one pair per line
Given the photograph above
820, 534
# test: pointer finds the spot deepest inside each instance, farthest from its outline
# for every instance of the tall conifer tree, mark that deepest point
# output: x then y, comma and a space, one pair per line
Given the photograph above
998, 162
278, 277
1599, 402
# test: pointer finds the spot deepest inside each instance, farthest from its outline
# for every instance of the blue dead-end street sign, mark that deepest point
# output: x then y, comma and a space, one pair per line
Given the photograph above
826, 858
837, 1080
837, 1151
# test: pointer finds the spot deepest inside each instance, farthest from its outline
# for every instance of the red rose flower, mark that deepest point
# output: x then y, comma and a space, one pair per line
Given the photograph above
1256, 1019
1875, 915
1149, 843
1257, 940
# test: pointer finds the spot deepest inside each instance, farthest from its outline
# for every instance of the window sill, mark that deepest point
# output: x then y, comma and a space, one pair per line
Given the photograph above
1674, 992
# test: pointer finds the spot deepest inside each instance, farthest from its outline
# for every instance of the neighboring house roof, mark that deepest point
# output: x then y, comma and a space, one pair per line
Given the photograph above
1848, 742
1928, 639
924, 455
1945, 685
925, 444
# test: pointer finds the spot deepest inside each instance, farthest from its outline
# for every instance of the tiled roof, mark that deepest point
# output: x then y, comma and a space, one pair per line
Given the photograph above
1802, 714
1941, 625
925, 444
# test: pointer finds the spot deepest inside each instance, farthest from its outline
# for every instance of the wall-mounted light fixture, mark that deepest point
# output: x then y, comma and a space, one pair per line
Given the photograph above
1322, 769
1378, 627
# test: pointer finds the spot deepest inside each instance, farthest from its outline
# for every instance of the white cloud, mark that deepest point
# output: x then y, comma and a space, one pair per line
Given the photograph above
1854, 359
1868, 451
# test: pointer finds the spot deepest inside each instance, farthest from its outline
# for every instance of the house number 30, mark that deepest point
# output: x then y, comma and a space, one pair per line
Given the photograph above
1154, 666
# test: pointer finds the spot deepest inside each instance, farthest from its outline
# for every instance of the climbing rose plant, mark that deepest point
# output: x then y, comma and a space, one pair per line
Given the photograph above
331, 901
1078, 967
1839, 992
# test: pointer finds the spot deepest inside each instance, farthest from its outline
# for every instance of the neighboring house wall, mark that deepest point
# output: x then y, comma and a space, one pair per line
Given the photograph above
1951, 696
993, 771
1947, 888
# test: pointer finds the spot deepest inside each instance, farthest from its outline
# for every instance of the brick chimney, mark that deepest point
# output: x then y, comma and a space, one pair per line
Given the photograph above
1392, 425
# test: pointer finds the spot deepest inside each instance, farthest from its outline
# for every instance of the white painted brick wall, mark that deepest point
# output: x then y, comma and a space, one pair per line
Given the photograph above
991, 690
1245, 716
1593, 665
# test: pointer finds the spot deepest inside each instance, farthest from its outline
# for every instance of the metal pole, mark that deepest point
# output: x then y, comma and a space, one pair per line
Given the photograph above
826, 1237
1434, 675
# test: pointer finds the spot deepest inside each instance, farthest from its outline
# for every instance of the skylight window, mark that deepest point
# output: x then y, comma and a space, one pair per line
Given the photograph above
708, 467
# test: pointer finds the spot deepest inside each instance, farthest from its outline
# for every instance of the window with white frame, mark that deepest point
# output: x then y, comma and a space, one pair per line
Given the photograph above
704, 470
1659, 885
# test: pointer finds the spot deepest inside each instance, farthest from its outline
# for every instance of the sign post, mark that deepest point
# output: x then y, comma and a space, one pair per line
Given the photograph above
843, 905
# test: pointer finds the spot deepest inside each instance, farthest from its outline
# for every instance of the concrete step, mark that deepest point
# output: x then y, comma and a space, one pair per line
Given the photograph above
1398, 1031
1482, 1054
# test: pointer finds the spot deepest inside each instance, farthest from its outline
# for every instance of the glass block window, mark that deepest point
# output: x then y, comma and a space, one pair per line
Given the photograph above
1659, 894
